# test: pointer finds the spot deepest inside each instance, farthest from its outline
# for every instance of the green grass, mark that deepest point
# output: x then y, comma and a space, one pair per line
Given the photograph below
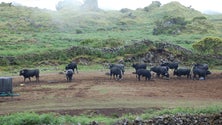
182, 110
34, 36
27, 118
42, 43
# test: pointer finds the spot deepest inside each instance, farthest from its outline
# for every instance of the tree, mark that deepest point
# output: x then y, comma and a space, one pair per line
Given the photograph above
209, 45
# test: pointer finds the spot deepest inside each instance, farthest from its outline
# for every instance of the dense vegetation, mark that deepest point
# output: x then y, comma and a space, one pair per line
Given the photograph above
27, 118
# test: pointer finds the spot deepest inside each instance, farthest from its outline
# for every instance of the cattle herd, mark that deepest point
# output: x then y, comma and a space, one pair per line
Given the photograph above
116, 71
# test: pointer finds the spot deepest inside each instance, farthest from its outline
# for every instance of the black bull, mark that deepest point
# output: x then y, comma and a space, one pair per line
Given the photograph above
182, 72
73, 66
115, 72
69, 74
200, 70
120, 66
139, 66
28, 73
160, 70
143, 72
171, 65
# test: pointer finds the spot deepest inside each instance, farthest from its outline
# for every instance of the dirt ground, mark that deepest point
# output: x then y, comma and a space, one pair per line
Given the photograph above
93, 92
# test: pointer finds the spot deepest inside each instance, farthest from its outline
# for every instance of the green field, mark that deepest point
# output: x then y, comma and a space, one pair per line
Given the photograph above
29, 32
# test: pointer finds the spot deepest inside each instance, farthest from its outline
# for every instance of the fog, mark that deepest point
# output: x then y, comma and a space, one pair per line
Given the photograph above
202, 6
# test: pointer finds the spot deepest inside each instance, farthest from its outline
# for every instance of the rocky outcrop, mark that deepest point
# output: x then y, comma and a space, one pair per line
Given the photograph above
90, 5
179, 119
153, 53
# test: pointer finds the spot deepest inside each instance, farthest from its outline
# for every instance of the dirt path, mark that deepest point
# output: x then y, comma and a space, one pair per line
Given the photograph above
95, 91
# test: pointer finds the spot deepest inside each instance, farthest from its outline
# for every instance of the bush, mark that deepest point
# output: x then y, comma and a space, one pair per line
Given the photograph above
209, 45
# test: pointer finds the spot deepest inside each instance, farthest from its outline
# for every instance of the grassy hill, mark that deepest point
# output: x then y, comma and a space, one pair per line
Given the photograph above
32, 32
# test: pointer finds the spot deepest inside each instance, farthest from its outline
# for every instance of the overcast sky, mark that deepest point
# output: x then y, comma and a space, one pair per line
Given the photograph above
200, 5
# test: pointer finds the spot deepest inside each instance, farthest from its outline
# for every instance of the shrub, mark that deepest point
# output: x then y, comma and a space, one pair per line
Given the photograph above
209, 45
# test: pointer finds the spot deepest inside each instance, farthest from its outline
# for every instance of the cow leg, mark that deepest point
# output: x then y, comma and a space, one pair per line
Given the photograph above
67, 78
194, 76
37, 78
139, 77
117, 76
149, 78
120, 77
158, 75
71, 78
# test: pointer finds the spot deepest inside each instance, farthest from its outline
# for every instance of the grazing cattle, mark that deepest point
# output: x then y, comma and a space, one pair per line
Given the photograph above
201, 66
27, 73
182, 72
160, 70
120, 66
202, 73
139, 66
69, 74
171, 65
73, 66
144, 73
116, 73
201, 70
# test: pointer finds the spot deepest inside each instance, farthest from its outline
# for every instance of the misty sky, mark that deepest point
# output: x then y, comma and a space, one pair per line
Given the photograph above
206, 5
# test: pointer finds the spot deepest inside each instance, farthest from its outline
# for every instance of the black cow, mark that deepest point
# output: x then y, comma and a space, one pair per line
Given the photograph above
201, 66
121, 66
144, 73
171, 65
139, 66
27, 73
73, 66
160, 70
182, 72
201, 70
116, 73
69, 74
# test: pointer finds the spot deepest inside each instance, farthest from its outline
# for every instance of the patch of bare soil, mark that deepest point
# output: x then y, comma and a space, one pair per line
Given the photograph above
95, 93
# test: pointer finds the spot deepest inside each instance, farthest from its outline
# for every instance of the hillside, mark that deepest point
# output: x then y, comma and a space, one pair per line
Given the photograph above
32, 32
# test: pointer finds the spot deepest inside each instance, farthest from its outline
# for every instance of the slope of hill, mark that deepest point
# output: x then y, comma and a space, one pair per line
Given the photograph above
174, 9
32, 31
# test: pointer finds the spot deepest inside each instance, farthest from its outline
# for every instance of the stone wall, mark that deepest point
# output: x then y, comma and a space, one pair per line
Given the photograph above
179, 119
